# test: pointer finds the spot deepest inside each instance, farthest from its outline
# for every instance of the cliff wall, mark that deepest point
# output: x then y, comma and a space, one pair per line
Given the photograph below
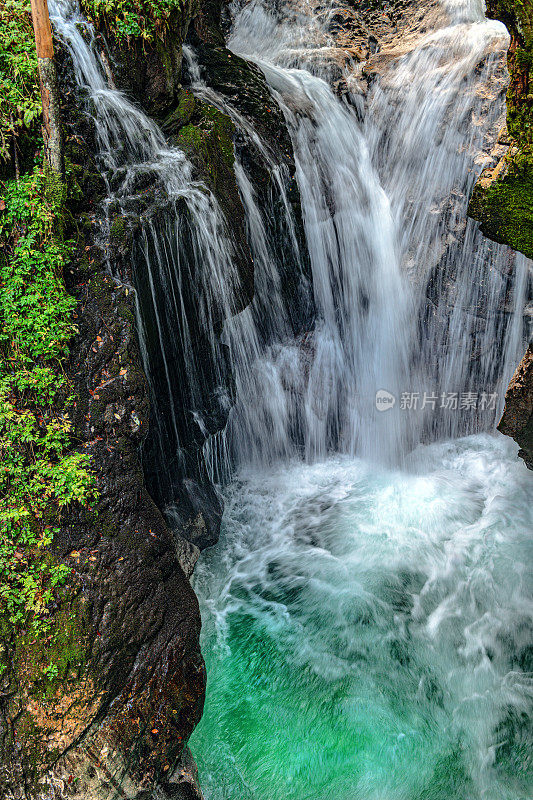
503, 198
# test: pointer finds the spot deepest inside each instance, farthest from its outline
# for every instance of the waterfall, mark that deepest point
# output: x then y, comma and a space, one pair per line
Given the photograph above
367, 612
412, 303
415, 312
184, 276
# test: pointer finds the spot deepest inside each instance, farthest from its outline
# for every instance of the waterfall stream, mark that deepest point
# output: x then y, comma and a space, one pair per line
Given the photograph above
368, 615
368, 609
184, 274
399, 276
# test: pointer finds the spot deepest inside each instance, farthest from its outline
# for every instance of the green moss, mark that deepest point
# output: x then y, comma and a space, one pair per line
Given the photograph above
118, 231
517, 15
182, 114
505, 207
208, 140
190, 138
52, 677
46, 662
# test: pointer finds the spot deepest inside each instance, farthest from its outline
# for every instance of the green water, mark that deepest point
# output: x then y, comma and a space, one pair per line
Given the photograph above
368, 633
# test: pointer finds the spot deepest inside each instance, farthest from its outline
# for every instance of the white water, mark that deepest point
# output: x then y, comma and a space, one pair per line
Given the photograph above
407, 291
367, 631
367, 628
183, 250
409, 297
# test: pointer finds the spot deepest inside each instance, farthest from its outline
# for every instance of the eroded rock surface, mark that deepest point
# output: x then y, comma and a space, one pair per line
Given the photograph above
517, 419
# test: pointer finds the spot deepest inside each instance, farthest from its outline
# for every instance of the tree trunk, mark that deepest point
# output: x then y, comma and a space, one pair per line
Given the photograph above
53, 144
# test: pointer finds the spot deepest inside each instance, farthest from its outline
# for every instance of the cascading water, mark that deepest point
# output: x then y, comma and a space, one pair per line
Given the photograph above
410, 298
367, 632
368, 628
184, 267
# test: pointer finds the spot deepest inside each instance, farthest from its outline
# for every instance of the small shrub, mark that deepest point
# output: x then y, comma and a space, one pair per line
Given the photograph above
144, 19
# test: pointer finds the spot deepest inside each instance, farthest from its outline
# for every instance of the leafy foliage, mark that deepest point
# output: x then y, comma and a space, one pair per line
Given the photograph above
20, 98
143, 19
40, 474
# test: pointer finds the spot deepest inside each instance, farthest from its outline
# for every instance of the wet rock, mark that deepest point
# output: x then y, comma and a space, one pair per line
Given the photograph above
131, 691
207, 138
149, 71
243, 85
256, 115
517, 419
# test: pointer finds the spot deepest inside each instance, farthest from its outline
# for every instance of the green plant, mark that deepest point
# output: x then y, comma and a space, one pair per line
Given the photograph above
40, 472
145, 19
51, 671
20, 98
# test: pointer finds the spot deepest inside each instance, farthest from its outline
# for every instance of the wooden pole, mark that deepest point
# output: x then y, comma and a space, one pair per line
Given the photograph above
53, 145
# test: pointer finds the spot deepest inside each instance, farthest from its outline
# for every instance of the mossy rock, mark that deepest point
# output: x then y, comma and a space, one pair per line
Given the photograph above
208, 140
149, 68
181, 114
504, 207
47, 661
244, 86
53, 685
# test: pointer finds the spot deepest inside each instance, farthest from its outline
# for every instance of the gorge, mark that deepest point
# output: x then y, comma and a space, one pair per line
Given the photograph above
292, 353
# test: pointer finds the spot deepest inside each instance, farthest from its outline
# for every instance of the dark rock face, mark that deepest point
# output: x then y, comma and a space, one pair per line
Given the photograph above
131, 679
517, 419
209, 135
242, 89
144, 619
189, 383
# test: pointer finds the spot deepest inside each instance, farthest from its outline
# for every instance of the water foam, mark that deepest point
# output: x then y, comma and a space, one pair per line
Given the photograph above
367, 632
